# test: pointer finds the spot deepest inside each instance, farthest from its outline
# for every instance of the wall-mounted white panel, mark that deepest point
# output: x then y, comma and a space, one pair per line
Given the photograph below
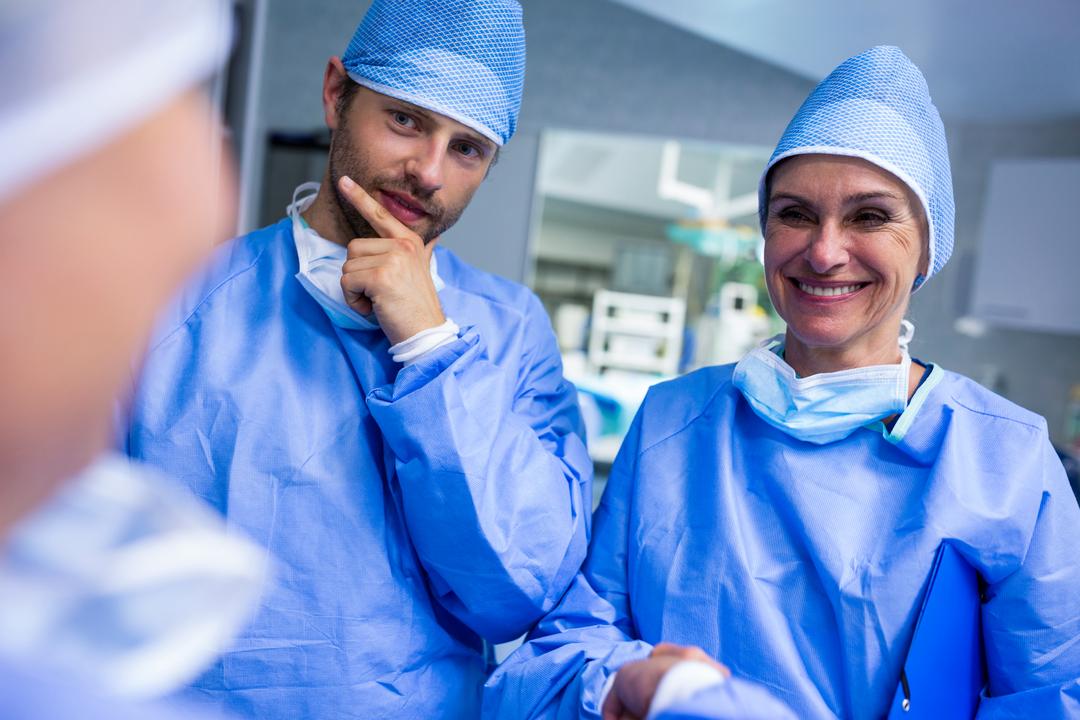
1028, 263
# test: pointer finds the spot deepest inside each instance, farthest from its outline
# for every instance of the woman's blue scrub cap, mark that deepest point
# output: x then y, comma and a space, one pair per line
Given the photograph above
876, 106
464, 59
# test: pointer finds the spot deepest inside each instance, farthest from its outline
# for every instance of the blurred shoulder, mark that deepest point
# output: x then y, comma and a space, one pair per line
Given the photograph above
30, 692
254, 259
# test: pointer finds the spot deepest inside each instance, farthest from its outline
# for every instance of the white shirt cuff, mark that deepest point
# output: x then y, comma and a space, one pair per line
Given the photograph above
685, 679
410, 350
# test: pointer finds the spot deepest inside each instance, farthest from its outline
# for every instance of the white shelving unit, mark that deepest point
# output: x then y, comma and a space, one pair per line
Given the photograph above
636, 332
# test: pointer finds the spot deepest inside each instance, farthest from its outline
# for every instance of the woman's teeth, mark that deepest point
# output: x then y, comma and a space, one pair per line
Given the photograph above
827, 291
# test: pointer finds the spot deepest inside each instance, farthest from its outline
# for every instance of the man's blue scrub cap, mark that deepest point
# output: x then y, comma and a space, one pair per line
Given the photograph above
876, 106
464, 59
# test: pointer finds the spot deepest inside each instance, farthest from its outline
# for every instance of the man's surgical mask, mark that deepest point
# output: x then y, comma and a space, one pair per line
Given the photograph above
320, 266
125, 580
826, 407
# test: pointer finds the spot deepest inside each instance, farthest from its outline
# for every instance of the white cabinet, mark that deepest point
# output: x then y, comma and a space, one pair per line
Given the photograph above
1029, 250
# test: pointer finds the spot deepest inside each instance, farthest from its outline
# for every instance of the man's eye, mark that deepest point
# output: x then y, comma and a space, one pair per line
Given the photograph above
467, 150
404, 120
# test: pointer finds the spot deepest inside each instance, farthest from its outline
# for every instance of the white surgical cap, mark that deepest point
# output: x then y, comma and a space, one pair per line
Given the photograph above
78, 73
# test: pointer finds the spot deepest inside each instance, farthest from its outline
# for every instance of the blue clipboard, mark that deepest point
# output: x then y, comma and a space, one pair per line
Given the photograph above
945, 669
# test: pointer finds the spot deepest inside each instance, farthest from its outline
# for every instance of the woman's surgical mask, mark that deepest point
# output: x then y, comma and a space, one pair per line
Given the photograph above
826, 407
125, 580
320, 266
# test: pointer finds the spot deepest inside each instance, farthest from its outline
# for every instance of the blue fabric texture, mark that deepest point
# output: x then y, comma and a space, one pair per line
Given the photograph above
408, 511
876, 106
802, 567
461, 58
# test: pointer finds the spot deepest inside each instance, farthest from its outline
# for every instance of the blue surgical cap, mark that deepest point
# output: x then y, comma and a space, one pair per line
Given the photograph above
464, 59
876, 106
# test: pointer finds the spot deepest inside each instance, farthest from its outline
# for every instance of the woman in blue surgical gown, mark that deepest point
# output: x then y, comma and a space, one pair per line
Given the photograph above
784, 513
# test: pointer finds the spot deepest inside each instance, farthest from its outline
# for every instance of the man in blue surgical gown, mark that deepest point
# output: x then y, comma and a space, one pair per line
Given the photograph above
783, 514
391, 423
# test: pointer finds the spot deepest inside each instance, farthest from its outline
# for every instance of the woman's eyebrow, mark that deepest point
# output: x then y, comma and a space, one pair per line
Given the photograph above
856, 198
873, 195
789, 196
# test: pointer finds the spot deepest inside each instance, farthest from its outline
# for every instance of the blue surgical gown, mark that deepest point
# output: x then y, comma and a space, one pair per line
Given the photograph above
408, 511
802, 567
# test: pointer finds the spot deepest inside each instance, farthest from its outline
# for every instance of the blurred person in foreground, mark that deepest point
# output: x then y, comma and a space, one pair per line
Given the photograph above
783, 514
115, 588
392, 423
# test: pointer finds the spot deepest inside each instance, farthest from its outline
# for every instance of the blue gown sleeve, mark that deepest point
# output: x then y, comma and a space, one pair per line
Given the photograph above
494, 477
733, 699
1031, 618
561, 669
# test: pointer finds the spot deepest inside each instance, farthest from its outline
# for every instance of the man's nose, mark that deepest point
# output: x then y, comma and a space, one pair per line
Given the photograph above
425, 166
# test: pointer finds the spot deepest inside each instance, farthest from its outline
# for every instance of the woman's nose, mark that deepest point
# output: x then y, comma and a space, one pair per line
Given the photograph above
827, 249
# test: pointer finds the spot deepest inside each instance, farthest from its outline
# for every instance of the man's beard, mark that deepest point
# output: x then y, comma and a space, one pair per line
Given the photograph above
345, 160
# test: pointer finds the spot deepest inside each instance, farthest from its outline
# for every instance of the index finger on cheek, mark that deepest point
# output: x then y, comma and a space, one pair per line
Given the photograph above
380, 219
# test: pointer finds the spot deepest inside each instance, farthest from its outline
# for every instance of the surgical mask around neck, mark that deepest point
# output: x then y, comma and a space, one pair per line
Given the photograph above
320, 266
125, 580
826, 407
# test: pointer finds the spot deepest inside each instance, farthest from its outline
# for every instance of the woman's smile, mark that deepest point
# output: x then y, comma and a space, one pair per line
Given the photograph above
829, 291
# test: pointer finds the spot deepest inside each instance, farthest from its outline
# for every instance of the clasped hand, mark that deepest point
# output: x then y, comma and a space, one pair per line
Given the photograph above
389, 275
636, 682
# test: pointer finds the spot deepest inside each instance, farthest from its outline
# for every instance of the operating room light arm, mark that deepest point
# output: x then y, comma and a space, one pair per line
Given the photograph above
716, 203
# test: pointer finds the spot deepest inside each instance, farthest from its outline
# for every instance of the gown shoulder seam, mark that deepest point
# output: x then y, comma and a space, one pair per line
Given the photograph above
206, 297
1037, 426
690, 420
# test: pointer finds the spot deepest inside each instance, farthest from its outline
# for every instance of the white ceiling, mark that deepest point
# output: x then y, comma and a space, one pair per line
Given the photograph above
984, 60
621, 172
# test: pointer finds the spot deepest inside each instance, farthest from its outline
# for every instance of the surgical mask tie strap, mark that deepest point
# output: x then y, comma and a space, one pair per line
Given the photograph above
306, 189
907, 332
